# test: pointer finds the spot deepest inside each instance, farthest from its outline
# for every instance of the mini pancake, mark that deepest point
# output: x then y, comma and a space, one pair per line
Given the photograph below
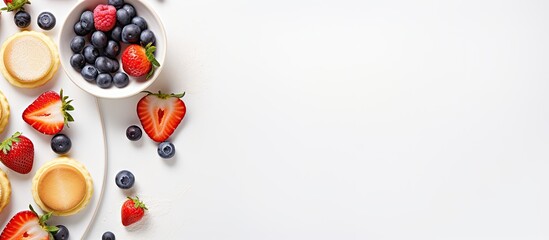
62, 186
4, 112
28, 59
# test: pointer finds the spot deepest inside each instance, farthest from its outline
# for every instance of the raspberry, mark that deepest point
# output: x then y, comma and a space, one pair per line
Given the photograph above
104, 17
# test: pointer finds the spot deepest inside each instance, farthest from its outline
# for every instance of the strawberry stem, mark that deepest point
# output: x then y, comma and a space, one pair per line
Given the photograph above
8, 143
149, 52
42, 220
65, 108
15, 5
164, 95
138, 203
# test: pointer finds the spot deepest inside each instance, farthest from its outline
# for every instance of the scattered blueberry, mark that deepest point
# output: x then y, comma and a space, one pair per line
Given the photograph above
108, 236
125, 179
147, 37
77, 61
61, 144
140, 22
89, 73
99, 39
62, 233
166, 150
46, 20
130, 9
79, 30
86, 19
113, 49
22, 19
77, 44
104, 80
116, 34
133, 132
90, 54
117, 3
123, 17
131, 33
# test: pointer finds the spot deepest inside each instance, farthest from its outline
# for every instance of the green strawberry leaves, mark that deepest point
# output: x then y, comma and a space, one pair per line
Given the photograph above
15, 5
66, 106
149, 52
8, 143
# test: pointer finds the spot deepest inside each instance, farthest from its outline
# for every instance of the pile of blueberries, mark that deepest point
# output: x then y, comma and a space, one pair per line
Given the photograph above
97, 60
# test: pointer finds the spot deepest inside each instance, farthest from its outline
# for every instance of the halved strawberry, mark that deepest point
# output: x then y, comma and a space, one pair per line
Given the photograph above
160, 114
17, 153
29, 226
49, 113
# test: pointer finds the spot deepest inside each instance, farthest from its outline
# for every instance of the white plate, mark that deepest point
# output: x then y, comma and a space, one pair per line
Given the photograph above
88, 147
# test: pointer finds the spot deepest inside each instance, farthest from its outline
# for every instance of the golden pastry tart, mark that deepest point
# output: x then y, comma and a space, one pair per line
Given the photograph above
62, 186
5, 190
4, 112
28, 59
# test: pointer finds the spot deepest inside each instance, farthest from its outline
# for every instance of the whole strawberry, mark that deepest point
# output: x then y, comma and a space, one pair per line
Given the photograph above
14, 5
17, 153
133, 210
104, 17
139, 61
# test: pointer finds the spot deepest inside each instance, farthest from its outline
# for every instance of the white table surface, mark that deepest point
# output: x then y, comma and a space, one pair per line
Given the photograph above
344, 120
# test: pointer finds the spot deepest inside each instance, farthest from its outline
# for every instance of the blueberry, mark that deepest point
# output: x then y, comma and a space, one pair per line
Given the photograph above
62, 233
125, 179
104, 80
89, 73
90, 54
22, 19
121, 80
116, 34
147, 37
166, 150
123, 17
103, 64
77, 44
113, 49
99, 39
79, 29
140, 22
108, 236
115, 66
131, 33
77, 61
130, 9
61, 144
46, 20
117, 3
133, 132
86, 19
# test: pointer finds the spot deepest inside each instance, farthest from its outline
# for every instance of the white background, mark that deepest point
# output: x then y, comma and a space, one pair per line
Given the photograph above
344, 120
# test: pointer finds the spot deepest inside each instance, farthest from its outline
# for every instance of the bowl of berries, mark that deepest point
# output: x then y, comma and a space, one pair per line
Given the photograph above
112, 48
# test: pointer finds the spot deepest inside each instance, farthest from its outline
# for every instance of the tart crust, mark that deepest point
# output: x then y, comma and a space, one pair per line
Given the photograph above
4, 112
29, 59
5, 190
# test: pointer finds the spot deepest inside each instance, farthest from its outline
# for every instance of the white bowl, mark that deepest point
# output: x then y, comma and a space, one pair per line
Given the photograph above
136, 85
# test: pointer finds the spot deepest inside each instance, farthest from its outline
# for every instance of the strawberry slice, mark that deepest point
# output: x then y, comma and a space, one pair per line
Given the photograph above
29, 226
17, 153
160, 114
49, 113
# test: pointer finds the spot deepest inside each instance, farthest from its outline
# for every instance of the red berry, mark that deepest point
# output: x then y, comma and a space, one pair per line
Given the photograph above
132, 211
104, 17
138, 61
